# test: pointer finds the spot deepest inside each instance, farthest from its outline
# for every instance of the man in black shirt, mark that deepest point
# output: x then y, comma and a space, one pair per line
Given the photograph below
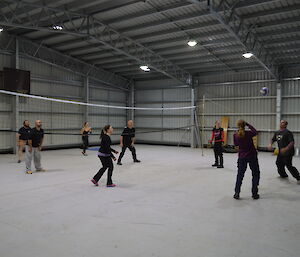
22, 138
128, 140
35, 146
285, 141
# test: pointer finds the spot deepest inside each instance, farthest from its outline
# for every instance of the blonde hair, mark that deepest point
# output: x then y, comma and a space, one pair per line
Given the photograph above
241, 128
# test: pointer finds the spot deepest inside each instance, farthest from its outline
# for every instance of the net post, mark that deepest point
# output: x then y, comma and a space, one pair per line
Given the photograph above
130, 115
192, 128
278, 102
15, 102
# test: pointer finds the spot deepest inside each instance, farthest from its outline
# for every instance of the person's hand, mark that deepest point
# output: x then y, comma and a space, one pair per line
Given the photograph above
283, 150
40, 148
270, 148
121, 144
30, 149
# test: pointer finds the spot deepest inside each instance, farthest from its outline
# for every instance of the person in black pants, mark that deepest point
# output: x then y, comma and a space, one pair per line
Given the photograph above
105, 155
218, 138
85, 131
247, 155
285, 141
127, 141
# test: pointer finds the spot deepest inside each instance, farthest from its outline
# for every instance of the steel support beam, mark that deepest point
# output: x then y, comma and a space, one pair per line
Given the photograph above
38, 52
91, 29
278, 104
225, 12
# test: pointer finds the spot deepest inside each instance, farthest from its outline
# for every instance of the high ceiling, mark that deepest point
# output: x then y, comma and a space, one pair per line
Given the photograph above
121, 35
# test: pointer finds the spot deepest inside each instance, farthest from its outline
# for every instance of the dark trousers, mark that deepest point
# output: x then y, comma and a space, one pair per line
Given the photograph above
283, 161
131, 148
85, 143
218, 151
242, 167
106, 164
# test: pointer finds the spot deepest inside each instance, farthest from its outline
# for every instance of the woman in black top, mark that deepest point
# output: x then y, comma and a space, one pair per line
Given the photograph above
86, 129
105, 155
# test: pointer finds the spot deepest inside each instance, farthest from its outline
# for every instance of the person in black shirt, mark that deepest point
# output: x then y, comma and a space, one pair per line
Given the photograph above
22, 138
105, 155
285, 141
85, 131
35, 147
127, 141
218, 139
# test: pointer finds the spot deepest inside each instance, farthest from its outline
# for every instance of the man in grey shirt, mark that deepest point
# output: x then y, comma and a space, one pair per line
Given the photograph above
285, 141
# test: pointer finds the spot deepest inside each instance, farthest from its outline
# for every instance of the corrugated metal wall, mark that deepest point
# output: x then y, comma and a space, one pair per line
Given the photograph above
166, 127
47, 80
291, 106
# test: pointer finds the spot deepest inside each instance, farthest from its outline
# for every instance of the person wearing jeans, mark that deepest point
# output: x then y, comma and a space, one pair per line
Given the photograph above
247, 155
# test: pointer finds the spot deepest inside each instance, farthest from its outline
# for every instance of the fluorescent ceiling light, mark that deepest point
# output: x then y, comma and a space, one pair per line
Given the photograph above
192, 43
144, 68
1, 29
57, 27
247, 55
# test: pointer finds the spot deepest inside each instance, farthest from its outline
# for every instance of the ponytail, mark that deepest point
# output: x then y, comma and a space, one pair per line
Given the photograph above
104, 130
241, 128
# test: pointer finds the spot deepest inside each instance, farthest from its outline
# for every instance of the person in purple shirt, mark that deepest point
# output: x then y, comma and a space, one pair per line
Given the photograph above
247, 154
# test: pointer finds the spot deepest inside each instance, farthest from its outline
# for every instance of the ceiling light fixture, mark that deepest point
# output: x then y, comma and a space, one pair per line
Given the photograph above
192, 43
247, 55
57, 27
145, 68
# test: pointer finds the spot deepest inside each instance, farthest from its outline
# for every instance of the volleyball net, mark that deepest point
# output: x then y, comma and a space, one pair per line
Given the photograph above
63, 119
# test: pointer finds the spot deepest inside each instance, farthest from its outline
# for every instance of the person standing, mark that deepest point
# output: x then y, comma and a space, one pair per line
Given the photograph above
285, 141
105, 155
247, 155
85, 131
128, 141
218, 138
35, 147
22, 138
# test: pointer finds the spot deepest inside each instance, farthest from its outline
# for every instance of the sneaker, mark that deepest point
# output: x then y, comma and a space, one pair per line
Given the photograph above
215, 165
84, 153
236, 196
19, 161
94, 182
255, 197
111, 185
40, 169
220, 166
136, 161
119, 163
283, 177
28, 172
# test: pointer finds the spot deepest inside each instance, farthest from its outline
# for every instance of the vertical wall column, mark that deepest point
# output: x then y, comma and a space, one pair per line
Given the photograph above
15, 104
278, 103
86, 97
192, 128
131, 101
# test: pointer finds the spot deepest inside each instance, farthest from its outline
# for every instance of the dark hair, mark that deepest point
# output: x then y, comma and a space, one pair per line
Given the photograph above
24, 122
105, 129
85, 124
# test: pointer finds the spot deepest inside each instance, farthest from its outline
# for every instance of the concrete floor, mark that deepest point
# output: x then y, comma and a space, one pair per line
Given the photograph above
173, 204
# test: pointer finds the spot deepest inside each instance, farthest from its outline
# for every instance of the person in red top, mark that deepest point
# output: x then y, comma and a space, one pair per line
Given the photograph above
218, 139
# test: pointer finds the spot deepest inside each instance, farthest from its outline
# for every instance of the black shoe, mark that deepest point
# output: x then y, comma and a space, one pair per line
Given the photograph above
255, 197
19, 161
136, 161
236, 196
220, 166
119, 163
215, 165
283, 177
